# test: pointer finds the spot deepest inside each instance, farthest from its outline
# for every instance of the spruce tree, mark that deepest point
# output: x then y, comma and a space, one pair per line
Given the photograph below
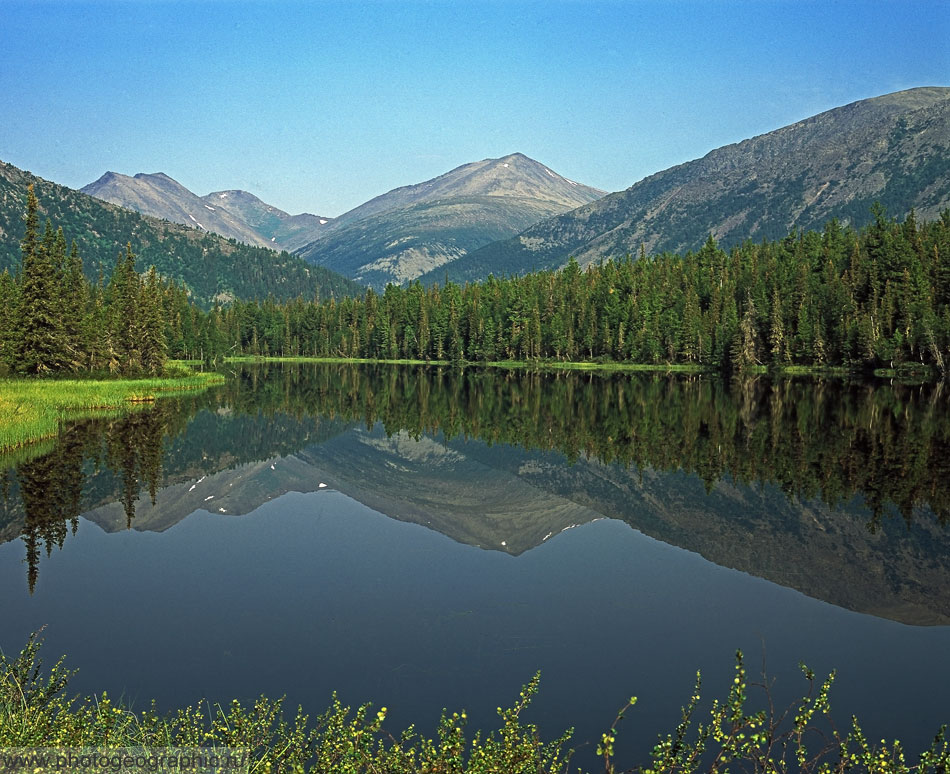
125, 314
100, 353
153, 346
74, 296
9, 305
42, 341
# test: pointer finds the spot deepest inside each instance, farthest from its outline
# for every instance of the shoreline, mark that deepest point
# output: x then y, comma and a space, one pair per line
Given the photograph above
32, 409
591, 365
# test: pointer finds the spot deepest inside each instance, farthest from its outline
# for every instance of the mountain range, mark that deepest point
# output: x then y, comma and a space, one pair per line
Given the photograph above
394, 237
233, 214
893, 149
512, 214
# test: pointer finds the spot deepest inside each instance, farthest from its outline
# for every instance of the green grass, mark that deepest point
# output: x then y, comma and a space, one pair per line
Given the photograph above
270, 359
792, 370
607, 365
511, 364
33, 409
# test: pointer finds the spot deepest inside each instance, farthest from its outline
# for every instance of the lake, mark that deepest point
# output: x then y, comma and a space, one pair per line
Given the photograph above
424, 537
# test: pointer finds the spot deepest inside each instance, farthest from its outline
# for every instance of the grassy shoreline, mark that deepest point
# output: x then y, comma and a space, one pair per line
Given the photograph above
593, 365
32, 410
505, 364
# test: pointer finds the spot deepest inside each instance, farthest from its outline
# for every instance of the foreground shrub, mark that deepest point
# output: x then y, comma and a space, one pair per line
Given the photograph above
36, 712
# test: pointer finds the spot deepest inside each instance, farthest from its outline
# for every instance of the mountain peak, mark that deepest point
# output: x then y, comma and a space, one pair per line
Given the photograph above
153, 176
911, 99
161, 196
234, 213
416, 228
164, 182
101, 230
517, 156
288, 232
515, 176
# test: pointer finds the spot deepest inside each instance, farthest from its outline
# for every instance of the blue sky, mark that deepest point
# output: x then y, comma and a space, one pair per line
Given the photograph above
319, 106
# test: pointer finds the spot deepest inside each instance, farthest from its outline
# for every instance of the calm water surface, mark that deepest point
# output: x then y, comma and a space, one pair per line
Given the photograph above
423, 538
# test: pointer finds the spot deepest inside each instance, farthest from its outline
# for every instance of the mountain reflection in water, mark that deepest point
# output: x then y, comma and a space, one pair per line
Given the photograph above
841, 491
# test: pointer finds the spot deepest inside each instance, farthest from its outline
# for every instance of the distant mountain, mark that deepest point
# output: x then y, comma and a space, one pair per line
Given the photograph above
212, 267
415, 229
893, 149
160, 196
274, 226
233, 214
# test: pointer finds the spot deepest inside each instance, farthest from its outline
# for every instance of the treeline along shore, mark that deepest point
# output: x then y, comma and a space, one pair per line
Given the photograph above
861, 300
878, 297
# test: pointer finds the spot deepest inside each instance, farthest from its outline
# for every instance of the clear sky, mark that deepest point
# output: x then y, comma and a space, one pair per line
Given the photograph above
320, 106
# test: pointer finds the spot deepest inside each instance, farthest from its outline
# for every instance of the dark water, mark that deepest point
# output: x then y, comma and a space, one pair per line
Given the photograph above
424, 538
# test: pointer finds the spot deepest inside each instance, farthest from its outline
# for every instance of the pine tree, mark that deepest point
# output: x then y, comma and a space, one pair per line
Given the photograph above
778, 342
745, 348
42, 342
100, 352
153, 346
691, 345
74, 296
124, 314
9, 305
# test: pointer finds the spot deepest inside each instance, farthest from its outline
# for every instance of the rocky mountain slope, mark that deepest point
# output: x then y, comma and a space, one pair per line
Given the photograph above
160, 196
232, 214
212, 267
414, 229
893, 149
277, 228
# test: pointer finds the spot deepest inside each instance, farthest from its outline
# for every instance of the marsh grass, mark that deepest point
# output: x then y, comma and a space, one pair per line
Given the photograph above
34, 409
597, 365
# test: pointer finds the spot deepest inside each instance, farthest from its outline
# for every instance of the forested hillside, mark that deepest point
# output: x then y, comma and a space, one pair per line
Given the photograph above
893, 149
209, 266
878, 297
53, 320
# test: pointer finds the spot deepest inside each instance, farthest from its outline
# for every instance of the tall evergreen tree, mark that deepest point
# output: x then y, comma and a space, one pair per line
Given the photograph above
74, 296
153, 346
9, 305
125, 314
42, 341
